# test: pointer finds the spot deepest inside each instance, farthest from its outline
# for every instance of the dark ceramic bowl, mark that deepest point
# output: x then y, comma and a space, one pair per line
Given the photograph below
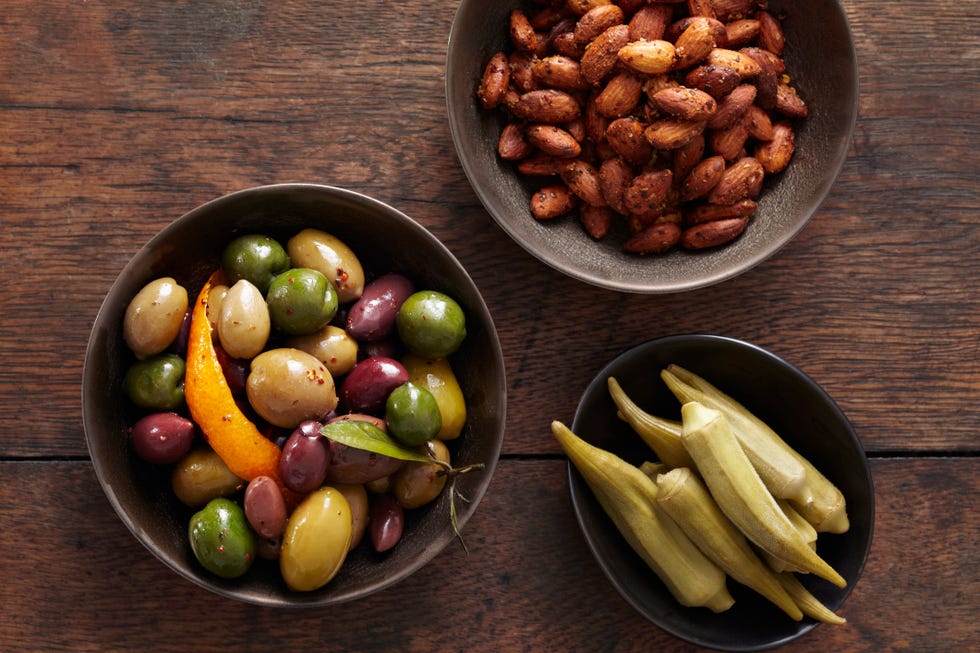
788, 401
820, 56
189, 249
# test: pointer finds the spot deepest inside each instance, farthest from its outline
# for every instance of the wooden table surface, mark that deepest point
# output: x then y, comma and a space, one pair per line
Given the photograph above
118, 117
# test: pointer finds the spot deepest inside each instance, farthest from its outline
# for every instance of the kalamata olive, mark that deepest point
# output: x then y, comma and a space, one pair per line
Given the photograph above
153, 317
372, 317
387, 522
265, 507
431, 324
357, 499
416, 483
304, 461
268, 548
312, 248
162, 438
412, 414
202, 475
332, 345
244, 323
301, 301
255, 257
351, 465
221, 539
366, 388
316, 540
157, 383
287, 386
436, 375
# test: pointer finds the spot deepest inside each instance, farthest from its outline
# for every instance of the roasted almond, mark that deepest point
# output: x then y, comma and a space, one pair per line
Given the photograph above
741, 32
703, 178
522, 34
596, 21
649, 22
744, 65
541, 165
561, 72
564, 43
759, 123
729, 143
729, 10
713, 234
595, 122
741, 180
522, 71
688, 156
512, 146
620, 96
711, 212
656, 238
684, 102
775, 154
625, 137
615, 176
676, 28
495, 80
648, 57
672, 133
552, 201
701, 8
547, 106
789, 103
716, 81
553, 140
694, 44
648, 191
602, 55
770, 33
732, 107
582, 178
596, 220
581, 7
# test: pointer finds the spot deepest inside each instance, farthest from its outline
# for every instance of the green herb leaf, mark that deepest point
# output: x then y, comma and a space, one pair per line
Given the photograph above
364, 435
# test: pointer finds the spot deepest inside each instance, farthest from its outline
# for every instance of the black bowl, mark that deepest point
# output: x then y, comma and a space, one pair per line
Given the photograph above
820, 55
788, 401
385, 240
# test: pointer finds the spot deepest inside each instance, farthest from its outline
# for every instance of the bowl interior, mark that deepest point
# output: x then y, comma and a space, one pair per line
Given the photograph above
823, 66
385, 240
796, 408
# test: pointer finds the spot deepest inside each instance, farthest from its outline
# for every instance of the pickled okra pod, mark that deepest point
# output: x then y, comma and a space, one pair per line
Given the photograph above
807, 602
741, 494
628, 496
661, 435
820, 502
687, 501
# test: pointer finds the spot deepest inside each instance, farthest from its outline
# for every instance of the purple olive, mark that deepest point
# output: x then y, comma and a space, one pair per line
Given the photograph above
372, 317
386, 522
366, 388
305, 458
265, 507
162, 438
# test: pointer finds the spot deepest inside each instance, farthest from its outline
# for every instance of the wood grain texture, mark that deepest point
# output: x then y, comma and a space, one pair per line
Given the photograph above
76, 580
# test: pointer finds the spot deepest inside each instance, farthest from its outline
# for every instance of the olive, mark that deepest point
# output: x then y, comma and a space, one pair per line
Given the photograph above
156, 383
243, 323
221, 539
154, 316
412, 414
265, 507
287, 386
305, 458
352, 465
316, 540
312, 248
202, 475
301, 301
357, 499
418, 483
372, 317
255, 257
431, 324
387, 522
366, 388
216, 296
436, 375
332, 345
162, 438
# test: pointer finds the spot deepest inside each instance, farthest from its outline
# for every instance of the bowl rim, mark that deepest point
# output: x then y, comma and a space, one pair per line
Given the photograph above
654, 287
578, 488
295, 600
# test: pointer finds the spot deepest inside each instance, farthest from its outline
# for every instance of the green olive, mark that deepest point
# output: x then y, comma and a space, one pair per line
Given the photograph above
301, 301
154, 316
287, 386
156, 383
255, 257
431, 324
201, 475
221, 539
332, 345
412, 414
312, 248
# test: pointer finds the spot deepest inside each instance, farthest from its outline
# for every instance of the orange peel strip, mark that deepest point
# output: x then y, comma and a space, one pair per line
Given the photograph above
234, 437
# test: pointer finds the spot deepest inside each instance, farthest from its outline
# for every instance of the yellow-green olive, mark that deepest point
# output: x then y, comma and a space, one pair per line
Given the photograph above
436, 375
313, 248
202, 475
316, 540
213, 310
416, 484
357, 499
287, 386
153, 317
332, 345
243, 323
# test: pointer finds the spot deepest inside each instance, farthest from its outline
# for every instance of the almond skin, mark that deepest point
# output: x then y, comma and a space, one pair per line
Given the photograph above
552, 201
775, 155
522, 34
648, 191
546, 106
716, 81
732, 107
496, 78
649, 22
553, 140
744, 65
672, 133
596, 220
620, 96
713, 234
741, 180
657, 238
703, 178
596, 21
558, 71
512, 146
730, 142
625, 137
582, 178
694, 44
648, 57
789, 103
684, 102
615, 176
602, 55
